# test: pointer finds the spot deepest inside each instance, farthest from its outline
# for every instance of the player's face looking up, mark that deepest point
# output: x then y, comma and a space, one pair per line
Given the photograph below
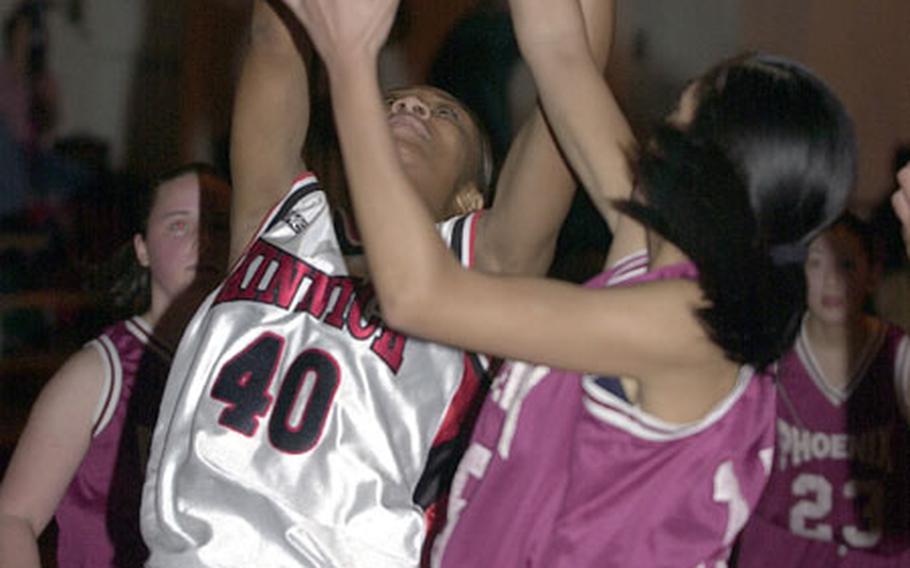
439, 143
839, 276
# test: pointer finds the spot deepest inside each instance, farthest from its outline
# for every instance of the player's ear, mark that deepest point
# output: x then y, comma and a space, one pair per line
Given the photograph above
141, 250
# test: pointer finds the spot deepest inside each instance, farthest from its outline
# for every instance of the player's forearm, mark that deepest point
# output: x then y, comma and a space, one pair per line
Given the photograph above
18, 543
533, 194
536, 186
590, 127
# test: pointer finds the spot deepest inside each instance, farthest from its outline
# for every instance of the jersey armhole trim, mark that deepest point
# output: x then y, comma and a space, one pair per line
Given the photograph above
305, 178
110, 389
612, 410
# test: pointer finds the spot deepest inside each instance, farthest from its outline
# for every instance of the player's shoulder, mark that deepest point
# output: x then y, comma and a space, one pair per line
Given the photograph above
80, 381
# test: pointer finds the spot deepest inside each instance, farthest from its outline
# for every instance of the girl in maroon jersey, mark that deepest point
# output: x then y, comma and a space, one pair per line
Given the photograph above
838, 493
81, 455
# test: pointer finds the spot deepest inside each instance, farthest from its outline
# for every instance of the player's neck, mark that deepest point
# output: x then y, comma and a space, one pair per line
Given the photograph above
837, 348
838, 336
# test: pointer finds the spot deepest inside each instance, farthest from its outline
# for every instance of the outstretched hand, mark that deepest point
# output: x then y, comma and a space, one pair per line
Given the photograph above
345, 30
900, 200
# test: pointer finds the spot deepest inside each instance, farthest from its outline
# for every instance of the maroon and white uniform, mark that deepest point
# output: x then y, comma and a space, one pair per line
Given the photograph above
297, 429
563, 472
838, 494
98, 516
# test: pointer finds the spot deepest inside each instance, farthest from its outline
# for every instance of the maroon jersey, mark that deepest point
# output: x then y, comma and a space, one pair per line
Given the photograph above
98, 517
562, 471
838, 492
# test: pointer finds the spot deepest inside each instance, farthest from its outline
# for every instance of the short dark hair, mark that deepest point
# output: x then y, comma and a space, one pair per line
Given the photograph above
766, 162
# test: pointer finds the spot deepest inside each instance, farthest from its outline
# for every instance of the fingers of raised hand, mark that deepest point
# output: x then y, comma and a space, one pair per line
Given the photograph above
339, 26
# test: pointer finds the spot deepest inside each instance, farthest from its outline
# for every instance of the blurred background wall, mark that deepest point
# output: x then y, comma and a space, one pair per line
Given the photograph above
153, 78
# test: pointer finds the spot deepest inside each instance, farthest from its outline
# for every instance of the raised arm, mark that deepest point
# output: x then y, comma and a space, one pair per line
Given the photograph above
422, 289
589, 125
49, 451
535, 188
271, 117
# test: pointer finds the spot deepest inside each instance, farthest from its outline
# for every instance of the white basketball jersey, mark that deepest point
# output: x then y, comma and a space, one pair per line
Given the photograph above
295, 425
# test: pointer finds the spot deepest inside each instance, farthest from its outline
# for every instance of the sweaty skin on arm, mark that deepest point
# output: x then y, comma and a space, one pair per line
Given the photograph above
50, 449
422, 289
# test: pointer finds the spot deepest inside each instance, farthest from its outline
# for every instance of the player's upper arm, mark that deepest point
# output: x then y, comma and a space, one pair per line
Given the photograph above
643, 331
270, 121
54, 441
535, 187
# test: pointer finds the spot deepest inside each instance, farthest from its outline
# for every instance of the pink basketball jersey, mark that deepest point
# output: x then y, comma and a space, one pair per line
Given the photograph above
838, 494
98, 516
563, 472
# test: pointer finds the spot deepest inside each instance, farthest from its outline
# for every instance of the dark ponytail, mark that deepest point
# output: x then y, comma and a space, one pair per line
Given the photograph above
766, 162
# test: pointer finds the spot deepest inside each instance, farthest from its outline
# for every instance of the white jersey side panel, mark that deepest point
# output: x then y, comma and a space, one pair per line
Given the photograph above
295, 425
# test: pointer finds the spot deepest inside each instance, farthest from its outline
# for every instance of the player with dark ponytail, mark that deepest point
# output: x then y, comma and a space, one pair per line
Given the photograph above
766, 160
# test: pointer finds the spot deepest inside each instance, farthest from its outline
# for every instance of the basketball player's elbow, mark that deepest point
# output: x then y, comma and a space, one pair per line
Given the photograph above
15, 530
408, 300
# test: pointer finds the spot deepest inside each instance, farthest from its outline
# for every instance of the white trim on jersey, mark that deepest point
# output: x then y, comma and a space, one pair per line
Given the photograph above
113, 383
459, 233
867, 355
520, 381
902, 376
143, 332
609, 408
629, 266
113, 370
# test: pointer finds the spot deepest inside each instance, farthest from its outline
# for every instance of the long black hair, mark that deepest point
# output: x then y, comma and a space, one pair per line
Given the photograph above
766, 162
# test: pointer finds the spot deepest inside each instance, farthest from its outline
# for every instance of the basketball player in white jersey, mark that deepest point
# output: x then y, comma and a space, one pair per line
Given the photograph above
296, 428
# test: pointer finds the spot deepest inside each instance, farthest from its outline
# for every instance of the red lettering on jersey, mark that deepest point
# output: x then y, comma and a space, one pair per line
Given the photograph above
269, 275
284, 282
346, 287
390, 348
249, 281
316, 299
